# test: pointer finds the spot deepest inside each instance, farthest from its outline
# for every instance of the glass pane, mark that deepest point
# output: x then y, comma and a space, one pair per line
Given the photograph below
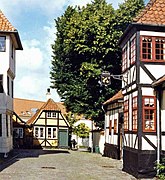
49, 132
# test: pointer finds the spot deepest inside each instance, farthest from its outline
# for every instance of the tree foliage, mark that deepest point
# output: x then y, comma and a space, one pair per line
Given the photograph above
81, 130
86, 44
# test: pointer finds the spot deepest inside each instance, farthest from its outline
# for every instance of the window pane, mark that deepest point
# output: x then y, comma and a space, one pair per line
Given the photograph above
2, 43
49, 132
54, 132
160, 49
36, 131
41, 132
146, 48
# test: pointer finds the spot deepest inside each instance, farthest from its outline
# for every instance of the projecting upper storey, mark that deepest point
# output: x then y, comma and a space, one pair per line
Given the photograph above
7, 27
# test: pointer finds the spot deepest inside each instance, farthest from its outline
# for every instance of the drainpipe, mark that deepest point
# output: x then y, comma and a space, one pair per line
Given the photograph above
158, 126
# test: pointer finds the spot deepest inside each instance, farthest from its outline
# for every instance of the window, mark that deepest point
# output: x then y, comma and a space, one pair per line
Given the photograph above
18, 132
160, 48
12, 51
133, 50
126, 115
110, 126
12, 89
1, 83
153, 48
39, 132
124, 58
51, 133
2, 43
0, 125
134, 114
146, 48
8, 85
7, 126
52, 114
149, 114
115, 126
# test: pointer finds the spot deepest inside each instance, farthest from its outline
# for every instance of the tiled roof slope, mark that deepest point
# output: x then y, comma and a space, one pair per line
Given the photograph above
5, 25
49, 105
153, 13
117, 96
23, 106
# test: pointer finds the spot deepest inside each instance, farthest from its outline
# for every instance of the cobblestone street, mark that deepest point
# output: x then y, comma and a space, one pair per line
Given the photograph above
63, 165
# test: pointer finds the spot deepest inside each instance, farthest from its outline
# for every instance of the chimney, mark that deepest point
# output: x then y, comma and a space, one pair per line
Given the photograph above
48, 94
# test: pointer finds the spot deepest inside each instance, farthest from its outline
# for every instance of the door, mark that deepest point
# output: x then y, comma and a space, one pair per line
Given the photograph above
63, 138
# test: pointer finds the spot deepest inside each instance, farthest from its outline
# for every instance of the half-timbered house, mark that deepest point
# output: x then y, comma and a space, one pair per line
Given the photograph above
113, 126
49, 128
143, 63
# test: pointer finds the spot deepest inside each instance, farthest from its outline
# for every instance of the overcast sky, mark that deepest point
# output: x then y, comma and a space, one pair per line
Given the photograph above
34, 20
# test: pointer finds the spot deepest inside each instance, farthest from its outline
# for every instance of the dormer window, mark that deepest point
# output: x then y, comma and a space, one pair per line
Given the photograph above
2, 43
153, 49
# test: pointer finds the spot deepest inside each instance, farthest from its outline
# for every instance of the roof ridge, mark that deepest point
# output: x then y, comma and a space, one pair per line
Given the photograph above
5, 24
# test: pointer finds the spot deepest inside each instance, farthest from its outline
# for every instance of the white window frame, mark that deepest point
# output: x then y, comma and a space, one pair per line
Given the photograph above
39, 132
19, 132
52, 114
52, 136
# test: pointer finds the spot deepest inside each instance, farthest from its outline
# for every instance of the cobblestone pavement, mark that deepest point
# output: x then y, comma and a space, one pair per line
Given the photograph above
63, 165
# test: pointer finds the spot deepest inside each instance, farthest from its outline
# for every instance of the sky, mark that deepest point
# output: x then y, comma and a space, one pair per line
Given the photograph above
34, 20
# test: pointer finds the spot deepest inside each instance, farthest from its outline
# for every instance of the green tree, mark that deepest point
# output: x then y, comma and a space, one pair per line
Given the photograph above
86, 44
81, 130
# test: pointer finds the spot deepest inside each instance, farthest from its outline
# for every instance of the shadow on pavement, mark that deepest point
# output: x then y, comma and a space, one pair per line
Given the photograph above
18, 154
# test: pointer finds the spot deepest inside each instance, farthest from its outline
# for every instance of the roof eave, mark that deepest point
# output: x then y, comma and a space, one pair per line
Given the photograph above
141, 26
16, 34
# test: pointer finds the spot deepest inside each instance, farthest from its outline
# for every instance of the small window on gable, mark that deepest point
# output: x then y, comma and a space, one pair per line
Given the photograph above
2, 43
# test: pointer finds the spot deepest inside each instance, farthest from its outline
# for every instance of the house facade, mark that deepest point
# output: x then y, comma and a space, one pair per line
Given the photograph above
113, 126
48, 127
9, 43
143, 66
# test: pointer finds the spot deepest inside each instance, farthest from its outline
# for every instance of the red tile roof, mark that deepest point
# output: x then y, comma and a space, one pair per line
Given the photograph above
117, 96
5, 25
153, 13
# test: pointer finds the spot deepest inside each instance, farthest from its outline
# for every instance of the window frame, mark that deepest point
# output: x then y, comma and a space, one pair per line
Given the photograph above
110, 126
133, 50
52, 133
18, 130
153, 49
124, 57
134, 113
126, 115
39, 132
3, 44
1, 83
115, 126
150, 109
